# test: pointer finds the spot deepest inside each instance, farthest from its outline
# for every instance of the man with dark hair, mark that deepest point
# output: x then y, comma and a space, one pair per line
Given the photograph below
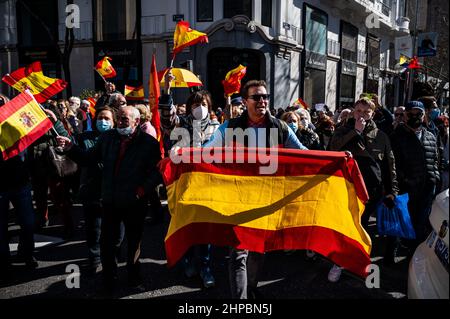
244, 265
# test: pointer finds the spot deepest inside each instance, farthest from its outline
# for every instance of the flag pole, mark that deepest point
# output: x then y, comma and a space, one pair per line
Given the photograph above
100, 76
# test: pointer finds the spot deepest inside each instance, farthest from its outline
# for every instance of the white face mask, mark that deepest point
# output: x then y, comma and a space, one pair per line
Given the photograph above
125, 131
304, 123
200, 112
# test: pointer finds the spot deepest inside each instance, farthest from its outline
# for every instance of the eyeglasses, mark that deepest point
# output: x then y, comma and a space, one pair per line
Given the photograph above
258, 97
122, 103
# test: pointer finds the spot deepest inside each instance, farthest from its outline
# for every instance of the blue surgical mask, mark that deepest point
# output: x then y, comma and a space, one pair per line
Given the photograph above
103, 125
293, 126
125, 131
434, 114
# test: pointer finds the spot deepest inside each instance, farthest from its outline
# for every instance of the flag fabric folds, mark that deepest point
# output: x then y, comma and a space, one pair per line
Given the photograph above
154, 93
33, 79
134, 93
105, 68
184, 36
22, 121
232, 82
92, 102
314, 201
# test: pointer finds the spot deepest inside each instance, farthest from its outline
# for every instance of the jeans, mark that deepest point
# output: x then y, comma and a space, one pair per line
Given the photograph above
23, 205
93, 217
203, 253
243, 268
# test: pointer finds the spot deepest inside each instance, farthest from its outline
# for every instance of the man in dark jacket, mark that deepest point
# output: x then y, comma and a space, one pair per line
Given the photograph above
129, 159
372, 151
416, 155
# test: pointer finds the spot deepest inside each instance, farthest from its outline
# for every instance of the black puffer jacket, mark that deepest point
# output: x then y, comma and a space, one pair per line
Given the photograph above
417, 160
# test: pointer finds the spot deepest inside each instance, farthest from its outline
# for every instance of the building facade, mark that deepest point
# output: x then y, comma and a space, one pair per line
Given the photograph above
324, 51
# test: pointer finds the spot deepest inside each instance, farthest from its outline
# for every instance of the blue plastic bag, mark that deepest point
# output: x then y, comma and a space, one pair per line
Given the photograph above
396, 221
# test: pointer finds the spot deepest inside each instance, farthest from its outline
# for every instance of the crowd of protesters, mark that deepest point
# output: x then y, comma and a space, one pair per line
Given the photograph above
114, 153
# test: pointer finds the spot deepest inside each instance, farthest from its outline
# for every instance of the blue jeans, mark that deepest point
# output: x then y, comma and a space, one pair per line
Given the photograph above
23, 205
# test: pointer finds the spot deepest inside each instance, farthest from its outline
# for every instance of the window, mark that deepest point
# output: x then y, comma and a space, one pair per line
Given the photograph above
314, 86
391, 56
235, 7
205, 10
266, 13
316, 31
349, 36
386, 7
116, 20
373, 54
348, 84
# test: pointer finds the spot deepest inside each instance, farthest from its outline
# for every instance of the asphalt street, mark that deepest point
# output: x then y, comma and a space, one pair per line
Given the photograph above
286, 275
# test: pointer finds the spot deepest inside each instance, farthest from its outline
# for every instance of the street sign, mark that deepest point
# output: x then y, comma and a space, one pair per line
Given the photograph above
427, 44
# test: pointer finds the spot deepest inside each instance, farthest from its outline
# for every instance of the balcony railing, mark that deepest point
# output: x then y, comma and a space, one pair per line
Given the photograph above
334, 47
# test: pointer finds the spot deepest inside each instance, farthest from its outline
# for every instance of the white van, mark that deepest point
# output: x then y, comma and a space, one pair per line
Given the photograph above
428, 268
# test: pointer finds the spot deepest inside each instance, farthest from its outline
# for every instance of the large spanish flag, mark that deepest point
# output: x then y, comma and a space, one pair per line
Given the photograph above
134, 93
184, 36
314, 201
105, 68
22, 121
32, 78
232, 82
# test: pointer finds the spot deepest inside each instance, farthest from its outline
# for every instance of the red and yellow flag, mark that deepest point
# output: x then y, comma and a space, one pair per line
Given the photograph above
22, 121
301, 103
314, 201
184, 36
134, 93
154, 93
32, 78
232, 82
92, 102
105, 69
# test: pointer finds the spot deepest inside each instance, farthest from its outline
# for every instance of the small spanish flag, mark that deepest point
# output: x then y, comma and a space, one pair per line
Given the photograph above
414, 63
134, 93
105, 69
22, 121
314, 200
32, 78
92, 102
232, 82
184, 36
301, 103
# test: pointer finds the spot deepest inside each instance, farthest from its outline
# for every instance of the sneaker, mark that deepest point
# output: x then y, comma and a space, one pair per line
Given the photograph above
334, 274
208, 278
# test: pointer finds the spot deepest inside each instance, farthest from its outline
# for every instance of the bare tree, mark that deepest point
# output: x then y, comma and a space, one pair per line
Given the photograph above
69, 38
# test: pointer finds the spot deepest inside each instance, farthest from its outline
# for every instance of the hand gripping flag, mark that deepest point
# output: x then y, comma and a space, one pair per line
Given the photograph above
154, 92
232, 82
22, 121
104, 68
314, 200
184, 36
32, 78
134, 93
